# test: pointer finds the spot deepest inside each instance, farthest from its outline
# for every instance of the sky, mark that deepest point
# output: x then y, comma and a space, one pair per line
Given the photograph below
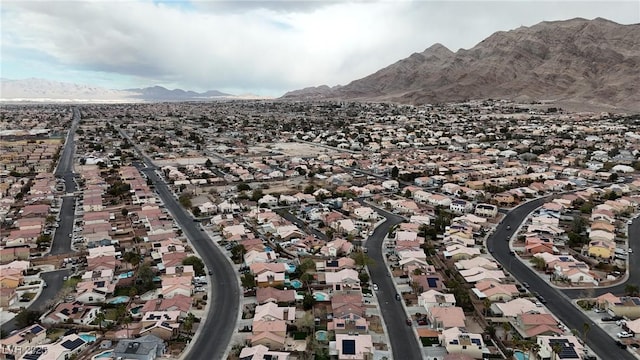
259, 47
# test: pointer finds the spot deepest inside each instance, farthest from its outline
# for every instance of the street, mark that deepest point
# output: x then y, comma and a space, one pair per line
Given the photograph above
557, 302
404, 344
224, 292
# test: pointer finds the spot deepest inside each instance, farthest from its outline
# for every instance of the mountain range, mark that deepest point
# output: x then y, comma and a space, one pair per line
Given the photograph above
577, 62
34, 89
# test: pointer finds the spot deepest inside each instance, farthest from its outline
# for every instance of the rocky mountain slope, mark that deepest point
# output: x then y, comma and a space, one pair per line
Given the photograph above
591, 62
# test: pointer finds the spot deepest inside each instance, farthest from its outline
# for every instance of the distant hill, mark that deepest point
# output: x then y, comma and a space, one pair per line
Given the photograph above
591, 62
159, 93
33, 89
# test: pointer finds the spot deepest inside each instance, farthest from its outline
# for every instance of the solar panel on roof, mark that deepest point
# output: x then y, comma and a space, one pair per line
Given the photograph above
32, 356
36, 329
349, 347
73, 344
476, 341
433, 282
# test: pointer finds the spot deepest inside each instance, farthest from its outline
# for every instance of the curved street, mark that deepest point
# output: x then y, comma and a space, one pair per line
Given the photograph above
404, 344
558, 302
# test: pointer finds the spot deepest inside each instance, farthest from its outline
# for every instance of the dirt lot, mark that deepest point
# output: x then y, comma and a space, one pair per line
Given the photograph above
300, 149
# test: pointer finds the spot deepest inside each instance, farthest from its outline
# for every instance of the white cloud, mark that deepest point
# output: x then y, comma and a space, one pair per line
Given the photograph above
268, 47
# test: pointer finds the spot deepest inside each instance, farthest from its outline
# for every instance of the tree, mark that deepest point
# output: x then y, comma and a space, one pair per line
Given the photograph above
507, 328
556, 348
361, 259
208, 163
538, 263
631, 289
308, 301
394, 172
144, 281
307, 265
306, 322
243, 187
363, 277
187, 325
256, 195
248, 281
124, 211
196, 262
131, 257
585, 330
487, 305
27, 317
100, 317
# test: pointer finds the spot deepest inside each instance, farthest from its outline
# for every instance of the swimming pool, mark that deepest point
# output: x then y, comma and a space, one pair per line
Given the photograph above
89, 338
321, 296
118, 300
322, 335
125, 275
297, 284
135, 310
290, 268
519, 355
104, 355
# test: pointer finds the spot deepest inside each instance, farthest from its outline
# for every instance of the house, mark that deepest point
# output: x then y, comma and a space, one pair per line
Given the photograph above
459, 206
65, 348
447, 317
495, 291
601, 249
267, 294
270, 278
23, 339
457, 341
352, 347
515, 307
270, 311
261, 352
75, 312
148, 347
486, 210
570, 347
271, 334
433, 298
530, 325
626, 306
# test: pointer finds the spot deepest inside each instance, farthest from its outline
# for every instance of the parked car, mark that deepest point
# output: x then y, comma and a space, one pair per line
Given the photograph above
621, 344
397, 296
621, 322
598, 310
409, 322
375, 287
624, 334
526, 285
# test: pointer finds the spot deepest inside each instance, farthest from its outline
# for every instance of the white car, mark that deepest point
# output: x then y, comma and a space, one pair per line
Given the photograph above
375, 287
624, 334
630, 250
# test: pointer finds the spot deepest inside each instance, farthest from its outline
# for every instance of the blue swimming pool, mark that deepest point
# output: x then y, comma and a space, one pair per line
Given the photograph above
118, 300
125, 275
297, 284
519, 355
88, 337
322, 335
104, 355
320, 296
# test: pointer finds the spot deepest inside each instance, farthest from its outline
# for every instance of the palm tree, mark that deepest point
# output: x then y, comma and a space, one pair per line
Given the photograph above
534, 349
506, 327
487, 304
100, 317
556, 348
585, 330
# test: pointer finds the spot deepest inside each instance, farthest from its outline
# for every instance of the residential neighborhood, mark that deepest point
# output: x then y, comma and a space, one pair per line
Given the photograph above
295, 195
